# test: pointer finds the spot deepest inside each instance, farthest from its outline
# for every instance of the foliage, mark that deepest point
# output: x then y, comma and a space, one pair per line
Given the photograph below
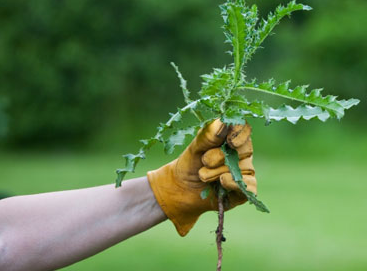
232, 160
56, 79
3, 118
68, 66
329, 48
222, 93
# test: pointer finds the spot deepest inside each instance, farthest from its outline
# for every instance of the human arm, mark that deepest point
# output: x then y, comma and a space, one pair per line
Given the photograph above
52, 230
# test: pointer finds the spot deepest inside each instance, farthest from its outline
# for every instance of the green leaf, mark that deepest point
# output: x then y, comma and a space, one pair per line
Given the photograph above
233, 116
232, 160
183, 84
349, 103
131, 162
178, 138
329, 103
133, 159
266, 26
236, 26
186, 92
239, 25
293, 115
255, 109
216, 82
213, 103
285, 112
148, 143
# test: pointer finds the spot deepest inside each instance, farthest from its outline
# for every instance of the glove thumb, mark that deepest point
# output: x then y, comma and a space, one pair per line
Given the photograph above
211, 136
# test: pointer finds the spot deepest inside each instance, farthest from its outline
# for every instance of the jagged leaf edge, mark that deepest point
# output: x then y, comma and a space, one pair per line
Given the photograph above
131, 160
266, 27
234, 31
178, 138
330, 103
232, 161
183, 84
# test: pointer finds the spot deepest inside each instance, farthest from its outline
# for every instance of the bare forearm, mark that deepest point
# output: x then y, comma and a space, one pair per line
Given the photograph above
52, 230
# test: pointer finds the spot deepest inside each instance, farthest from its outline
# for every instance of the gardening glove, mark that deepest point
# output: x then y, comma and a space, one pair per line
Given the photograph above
238, 138
177, 185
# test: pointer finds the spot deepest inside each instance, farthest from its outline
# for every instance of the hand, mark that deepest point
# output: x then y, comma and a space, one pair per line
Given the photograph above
213, 160
177, 185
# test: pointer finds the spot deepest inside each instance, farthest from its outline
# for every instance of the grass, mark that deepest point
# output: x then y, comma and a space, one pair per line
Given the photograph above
317, 219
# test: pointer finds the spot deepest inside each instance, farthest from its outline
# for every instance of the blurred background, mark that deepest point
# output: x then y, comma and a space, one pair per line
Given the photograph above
81, 81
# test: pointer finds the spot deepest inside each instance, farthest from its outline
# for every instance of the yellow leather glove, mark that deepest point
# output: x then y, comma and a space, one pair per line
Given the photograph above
177, 185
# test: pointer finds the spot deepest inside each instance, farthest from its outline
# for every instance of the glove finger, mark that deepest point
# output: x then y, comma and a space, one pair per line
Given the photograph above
213, 135
246, 149
238, 135
246, 165
212, 174
228, 183
215, 157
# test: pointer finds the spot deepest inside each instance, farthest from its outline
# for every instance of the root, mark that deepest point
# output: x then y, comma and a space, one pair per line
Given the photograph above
220, 238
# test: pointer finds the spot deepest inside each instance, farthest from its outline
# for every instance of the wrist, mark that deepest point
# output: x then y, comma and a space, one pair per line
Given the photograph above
180, 201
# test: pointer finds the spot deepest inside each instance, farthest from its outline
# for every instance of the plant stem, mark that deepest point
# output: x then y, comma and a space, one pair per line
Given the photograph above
219, 230
198, 115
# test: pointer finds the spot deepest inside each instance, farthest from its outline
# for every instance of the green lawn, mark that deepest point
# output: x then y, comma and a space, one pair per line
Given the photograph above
317, 222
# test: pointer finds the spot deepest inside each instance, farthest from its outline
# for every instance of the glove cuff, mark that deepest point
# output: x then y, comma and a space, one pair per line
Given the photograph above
181, 204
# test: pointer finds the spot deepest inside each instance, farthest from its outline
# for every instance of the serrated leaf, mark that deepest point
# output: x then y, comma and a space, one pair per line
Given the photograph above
148, 143
293, 115
178, 138
130, 164
285, 112
239, 25
133, 159
213, 103
349, 103
236, 26
216, 83
267, 26
233, 116
232, 161
329, 103
183, 84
